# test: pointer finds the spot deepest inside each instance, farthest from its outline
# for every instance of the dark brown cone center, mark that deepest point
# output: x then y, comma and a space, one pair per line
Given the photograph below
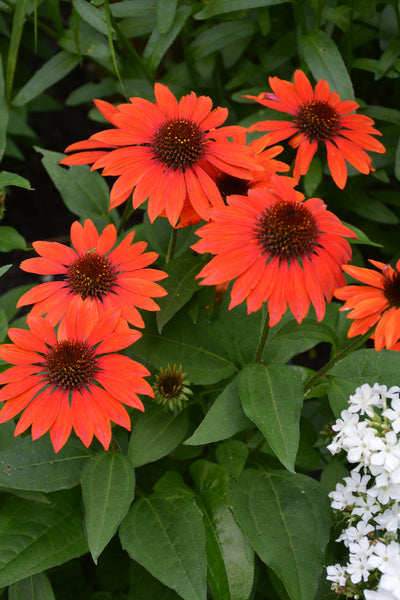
91, 276
318, 119
391, 290
178, 143
70, 365
287, 230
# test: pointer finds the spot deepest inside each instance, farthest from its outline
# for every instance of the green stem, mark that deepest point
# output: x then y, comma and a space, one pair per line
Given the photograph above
128, 210
339, 356
262, 340
171, 245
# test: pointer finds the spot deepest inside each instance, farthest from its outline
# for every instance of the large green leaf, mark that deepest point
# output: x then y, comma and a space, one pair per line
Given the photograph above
156, 434
180, 285
272, 397
84, 193
223, 420
230, 558
36, 536
164, 533
108, 488
28, 465
10, 239
325, 62
221, 35
362, 366
287, 519
57, 67
36, 587
166, 10
197, 347
218, 7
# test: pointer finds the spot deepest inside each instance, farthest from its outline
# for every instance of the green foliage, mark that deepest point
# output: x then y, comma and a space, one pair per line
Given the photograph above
226, 499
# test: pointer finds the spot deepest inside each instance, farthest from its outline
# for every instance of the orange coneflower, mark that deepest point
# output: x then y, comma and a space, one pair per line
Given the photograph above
279, 249
319, 116
72, 380
164, 152
376, 302
110, 278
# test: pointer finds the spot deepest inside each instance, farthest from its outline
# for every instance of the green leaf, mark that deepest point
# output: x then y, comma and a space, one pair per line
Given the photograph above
325, 62
218, 7
361, 366
84, 193
166, 10
3, 112
382, 113
272, 397
332, 474
197, 347
156, 434
31, 465
387, 57
313, 177
224, 419
10, 239
180, 285
3, 321
36, 587
143, 586
9, 300
362, 238
4, 270
232, 455
19, 16
165, 534
230, 558
36, 536
56, 68
217, 37
159, 42
292, 338
287, 519
7, 178
95, 17
108, 488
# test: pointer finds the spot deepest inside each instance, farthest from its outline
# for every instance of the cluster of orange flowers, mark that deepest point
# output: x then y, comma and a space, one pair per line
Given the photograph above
278, 246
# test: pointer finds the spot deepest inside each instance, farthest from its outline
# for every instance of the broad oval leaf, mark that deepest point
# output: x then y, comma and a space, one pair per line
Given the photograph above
197, 347
361, 366
287, 519
230, 557
223, 420
10, 239
180, 285
165, 534
325, 62
37, 536
84, 193
36, 587
34, 466
272, 397
108, 488
156, 434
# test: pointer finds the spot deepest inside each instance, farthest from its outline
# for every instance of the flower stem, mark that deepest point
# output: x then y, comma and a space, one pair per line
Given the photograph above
262, 340
339, 356
171, 245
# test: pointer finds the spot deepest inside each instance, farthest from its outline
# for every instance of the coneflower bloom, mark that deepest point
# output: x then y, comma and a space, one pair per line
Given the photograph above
376, 302
110, 278
162, 152
228, 184
74, 379
319, 116
278, 249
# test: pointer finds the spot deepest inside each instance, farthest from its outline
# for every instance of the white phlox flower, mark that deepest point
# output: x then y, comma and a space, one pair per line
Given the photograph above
365, 399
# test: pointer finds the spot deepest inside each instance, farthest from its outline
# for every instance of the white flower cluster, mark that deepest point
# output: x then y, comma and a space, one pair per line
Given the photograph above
369, 498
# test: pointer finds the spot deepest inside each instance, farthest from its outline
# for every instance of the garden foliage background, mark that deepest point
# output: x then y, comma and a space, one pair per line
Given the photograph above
226, 498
